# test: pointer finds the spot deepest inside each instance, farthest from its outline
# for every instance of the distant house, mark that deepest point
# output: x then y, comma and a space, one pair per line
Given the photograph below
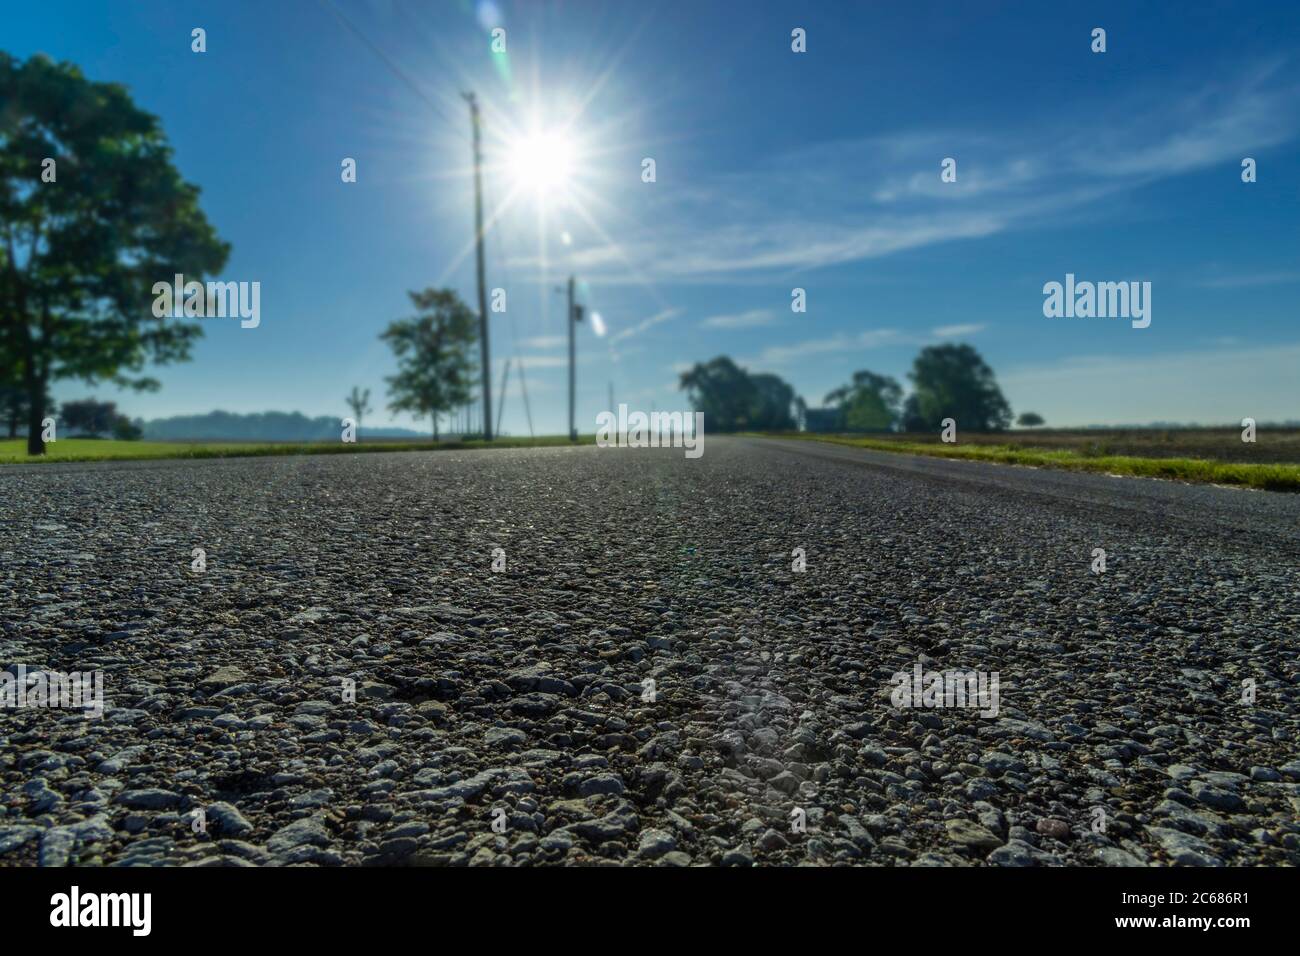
823, 420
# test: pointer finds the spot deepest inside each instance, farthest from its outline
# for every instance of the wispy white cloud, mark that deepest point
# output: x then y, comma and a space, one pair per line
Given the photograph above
699, 251
544, 342
544, 361
845, 201
783, 356
954, 331
662, 316
539, 362
776, 356
1170, 135
754, 318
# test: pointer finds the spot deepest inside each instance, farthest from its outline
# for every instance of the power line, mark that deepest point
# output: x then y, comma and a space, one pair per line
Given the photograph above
387, 60
502, 403
523, 385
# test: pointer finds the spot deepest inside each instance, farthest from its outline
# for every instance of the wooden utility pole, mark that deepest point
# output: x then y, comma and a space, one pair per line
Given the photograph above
572, 323
484, 352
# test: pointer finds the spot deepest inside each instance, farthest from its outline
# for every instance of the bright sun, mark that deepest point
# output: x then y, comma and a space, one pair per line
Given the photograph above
542, 162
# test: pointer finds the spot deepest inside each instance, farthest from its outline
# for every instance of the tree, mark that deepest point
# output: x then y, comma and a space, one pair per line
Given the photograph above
952, 381
870, 403
774, 400
723, 392
436, 371
89, 416
14, 406
126, 430
733, 400
359, 402
92, 214
1030, 420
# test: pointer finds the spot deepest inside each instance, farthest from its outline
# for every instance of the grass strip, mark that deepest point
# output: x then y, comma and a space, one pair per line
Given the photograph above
1205, 471
91, 449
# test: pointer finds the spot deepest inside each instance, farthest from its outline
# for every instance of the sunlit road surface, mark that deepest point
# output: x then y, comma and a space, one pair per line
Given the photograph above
650, 679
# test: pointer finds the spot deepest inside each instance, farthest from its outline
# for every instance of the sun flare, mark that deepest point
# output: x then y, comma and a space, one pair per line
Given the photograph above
543, 162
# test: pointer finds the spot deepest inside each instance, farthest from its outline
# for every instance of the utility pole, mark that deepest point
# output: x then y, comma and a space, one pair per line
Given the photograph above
482, 282
574, 317
572, 323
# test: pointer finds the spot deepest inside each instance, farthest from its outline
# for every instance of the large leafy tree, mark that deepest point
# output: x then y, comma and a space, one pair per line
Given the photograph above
953, 381
124, 429
436, 371
14, 403
723, 392
84, 238
89, 416
733, 400
870, 403
774, 405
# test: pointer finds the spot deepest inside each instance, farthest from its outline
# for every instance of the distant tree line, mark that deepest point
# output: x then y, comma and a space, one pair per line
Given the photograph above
948, 381
257, 426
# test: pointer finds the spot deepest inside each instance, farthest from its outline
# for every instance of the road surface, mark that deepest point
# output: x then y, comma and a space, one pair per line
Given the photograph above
649, 679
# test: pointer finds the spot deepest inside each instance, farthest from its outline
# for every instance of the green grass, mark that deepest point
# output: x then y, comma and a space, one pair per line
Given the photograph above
1276, 444
1269, 477
14, 451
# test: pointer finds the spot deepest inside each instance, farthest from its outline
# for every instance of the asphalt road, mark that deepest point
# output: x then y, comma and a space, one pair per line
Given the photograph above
649, 680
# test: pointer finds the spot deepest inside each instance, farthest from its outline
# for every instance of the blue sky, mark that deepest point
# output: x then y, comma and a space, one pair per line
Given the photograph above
774, 170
